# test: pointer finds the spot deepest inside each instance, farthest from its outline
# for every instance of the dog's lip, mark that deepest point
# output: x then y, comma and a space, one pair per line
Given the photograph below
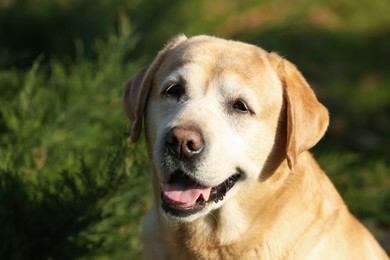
196, 196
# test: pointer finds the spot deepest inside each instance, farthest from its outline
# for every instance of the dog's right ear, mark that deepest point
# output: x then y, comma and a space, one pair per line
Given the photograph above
137, 89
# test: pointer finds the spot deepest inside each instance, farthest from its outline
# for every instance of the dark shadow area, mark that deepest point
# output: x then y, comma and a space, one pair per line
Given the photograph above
71, 28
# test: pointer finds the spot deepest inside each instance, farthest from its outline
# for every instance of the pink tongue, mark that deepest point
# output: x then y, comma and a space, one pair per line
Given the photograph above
184, 195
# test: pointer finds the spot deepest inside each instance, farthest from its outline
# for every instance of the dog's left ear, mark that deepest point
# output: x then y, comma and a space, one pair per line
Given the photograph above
307, 118
134, 100
137, 89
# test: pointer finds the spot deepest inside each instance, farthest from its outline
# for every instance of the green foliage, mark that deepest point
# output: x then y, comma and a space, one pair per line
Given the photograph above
67, 103
73, 215
70, 183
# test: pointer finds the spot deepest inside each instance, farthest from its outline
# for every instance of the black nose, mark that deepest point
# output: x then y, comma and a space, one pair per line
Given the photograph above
184, 142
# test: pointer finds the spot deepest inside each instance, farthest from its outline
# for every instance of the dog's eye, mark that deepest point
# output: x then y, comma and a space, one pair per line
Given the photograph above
241, 106
174, 91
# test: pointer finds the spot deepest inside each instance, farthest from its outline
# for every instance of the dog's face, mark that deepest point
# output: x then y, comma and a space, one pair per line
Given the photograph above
211, 123
211, 119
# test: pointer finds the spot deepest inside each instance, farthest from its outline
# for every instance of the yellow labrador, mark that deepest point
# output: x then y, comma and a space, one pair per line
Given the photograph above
228, 126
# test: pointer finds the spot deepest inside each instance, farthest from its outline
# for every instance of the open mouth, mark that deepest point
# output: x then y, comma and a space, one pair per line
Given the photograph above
181, 196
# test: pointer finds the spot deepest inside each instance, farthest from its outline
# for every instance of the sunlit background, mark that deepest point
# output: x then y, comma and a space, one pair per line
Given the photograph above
71, 183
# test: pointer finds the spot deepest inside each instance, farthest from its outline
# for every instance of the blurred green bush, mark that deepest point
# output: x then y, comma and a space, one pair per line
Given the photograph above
71, 184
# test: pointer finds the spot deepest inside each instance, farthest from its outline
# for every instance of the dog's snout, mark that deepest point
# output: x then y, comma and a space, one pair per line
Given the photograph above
184, 142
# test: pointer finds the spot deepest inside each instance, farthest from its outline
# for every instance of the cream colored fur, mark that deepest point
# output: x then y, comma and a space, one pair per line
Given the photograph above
283, 206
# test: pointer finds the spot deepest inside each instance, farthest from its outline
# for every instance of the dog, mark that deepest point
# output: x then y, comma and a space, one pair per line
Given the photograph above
228, 127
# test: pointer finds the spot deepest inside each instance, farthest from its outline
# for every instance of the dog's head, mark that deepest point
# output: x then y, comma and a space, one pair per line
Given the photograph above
216, 113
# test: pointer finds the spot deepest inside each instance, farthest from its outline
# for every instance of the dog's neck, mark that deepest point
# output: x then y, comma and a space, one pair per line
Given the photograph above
225, 226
